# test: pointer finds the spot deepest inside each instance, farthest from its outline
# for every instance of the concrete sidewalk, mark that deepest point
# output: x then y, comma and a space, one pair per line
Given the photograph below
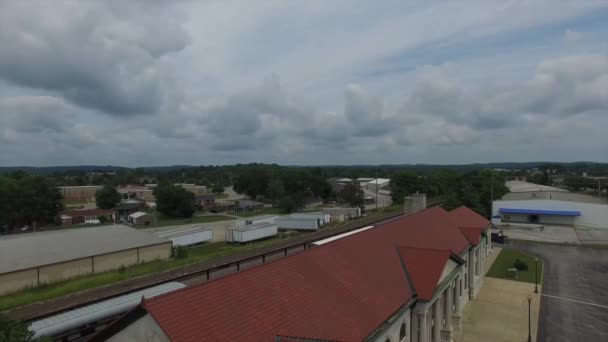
500, 311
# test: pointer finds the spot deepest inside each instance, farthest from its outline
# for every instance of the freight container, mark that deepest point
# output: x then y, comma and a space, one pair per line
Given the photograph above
251, 232
301, 223
188, 236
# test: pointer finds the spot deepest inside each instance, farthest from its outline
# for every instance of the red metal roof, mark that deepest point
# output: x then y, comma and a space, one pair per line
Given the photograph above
472, 234
465, 217
341, 291
425, 267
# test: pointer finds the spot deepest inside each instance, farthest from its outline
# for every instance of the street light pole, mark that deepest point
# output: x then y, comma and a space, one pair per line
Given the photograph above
529, 319
535, 275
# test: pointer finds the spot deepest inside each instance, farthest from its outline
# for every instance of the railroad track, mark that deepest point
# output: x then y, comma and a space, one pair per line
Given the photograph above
202, 271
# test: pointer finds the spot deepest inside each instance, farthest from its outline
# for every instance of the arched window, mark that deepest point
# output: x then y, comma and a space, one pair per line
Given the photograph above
402, 332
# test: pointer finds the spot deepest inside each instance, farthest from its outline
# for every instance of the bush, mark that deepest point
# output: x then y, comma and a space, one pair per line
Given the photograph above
520, 265
181, 252
102, 219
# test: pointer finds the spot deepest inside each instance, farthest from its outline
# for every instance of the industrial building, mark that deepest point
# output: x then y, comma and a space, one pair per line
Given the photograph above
378, 183
550, 212
520, 186
29, 260
405, 280
80, 194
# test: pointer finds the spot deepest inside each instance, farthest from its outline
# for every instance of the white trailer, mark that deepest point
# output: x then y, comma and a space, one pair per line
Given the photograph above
341, 214
251, 232
325, 218
188, 236
301, 223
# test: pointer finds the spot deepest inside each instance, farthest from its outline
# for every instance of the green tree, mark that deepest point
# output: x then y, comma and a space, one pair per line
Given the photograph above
107, 197
217, 189
252, 183
174, 201
352, 194
291, 203
276, 190
405, 183
27, 200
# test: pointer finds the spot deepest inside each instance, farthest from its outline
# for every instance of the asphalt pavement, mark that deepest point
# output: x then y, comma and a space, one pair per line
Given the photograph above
574, 303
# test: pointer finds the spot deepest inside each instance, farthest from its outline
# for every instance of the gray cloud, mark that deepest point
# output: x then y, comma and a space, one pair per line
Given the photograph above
196, 70
103, 55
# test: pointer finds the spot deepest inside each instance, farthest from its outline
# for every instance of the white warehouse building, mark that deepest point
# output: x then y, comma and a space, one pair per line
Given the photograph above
378, 183
550, 212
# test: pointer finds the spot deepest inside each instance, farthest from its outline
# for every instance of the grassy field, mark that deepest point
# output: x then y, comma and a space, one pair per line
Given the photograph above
506, 259
265, 211
195, 254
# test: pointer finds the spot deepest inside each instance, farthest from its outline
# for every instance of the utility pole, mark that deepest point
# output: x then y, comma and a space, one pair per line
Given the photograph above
376, 188
491, 193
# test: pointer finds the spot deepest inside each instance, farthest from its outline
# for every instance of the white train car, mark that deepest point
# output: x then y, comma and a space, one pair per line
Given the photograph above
188, 236
77, 324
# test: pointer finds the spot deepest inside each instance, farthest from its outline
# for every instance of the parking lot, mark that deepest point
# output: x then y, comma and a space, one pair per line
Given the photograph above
574, 303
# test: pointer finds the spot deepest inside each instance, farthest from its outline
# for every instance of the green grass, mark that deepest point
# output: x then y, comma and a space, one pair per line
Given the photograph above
195, 254
265, 211
506, 259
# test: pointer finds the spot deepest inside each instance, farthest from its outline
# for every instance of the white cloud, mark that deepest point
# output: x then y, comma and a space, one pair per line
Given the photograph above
152, 82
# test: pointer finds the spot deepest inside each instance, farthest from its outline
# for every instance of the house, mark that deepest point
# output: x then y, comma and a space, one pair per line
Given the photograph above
124, 209
242, 206
140, 218
223, 205
85, 216
404, 280
205, 202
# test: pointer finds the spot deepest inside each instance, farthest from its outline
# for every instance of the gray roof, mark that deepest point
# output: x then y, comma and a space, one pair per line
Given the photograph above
23, 251
253, 226
555, 195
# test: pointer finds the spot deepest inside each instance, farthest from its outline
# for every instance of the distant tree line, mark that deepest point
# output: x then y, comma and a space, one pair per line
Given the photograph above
472, 189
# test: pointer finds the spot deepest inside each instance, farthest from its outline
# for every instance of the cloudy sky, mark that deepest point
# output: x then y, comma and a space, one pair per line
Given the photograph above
151, 82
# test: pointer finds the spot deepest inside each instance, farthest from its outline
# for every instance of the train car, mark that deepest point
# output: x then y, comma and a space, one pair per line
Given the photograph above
80, 323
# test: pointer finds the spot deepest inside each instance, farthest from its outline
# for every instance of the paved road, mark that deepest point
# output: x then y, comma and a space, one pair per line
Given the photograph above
574, 305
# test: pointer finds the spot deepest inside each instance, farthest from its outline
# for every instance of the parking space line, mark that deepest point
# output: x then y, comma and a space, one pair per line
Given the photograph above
576, 301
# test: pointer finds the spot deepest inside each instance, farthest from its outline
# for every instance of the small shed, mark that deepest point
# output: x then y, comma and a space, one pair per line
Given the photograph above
140, 218
251, 232
342, 214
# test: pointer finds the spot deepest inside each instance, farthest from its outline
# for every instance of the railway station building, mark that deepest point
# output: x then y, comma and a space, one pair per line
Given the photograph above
405, 280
